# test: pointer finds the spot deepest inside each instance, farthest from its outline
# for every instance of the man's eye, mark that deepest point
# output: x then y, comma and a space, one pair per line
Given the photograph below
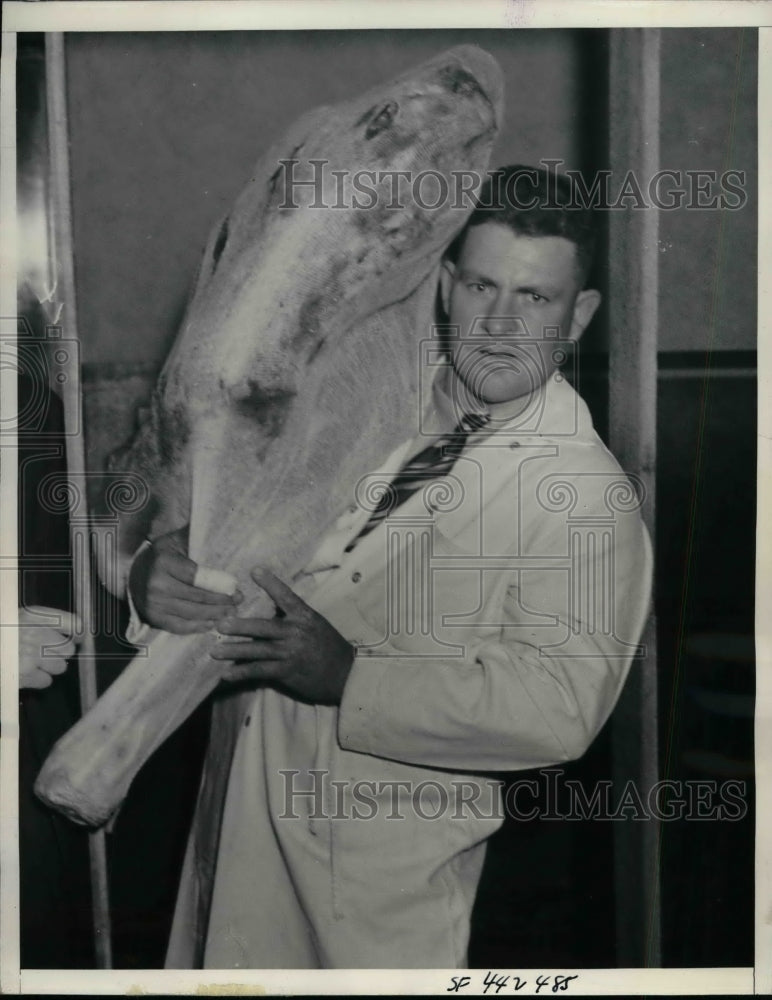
478, 286
535, 297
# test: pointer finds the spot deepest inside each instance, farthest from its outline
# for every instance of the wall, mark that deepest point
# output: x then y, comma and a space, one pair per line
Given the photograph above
708, 258
706, 477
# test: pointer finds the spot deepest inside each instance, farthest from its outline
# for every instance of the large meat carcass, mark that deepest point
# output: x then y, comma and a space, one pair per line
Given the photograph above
295, 372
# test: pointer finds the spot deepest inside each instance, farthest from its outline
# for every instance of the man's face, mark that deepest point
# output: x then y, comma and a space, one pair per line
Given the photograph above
511, 297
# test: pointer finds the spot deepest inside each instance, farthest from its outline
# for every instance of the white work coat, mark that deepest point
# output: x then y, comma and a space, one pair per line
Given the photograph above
496, 616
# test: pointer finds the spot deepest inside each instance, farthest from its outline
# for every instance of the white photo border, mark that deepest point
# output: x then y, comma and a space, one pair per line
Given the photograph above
160, 15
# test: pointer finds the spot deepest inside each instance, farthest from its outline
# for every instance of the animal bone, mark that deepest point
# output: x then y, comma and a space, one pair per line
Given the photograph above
295, 372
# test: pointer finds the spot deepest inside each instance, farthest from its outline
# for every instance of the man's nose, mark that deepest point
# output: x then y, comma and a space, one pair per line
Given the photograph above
500, 321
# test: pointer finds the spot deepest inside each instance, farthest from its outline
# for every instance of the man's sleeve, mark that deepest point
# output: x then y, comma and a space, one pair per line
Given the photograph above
531, 693
137, 631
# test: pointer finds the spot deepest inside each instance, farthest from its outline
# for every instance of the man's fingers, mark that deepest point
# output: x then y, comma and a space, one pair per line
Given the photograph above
66, 622
59, 650
266, 670
45, 641
277, 590
71, 625
177, 566
255, 649
205, 613
197, 583
216, 580
180, 626
187, 592
53, 665
36, 678
255, 628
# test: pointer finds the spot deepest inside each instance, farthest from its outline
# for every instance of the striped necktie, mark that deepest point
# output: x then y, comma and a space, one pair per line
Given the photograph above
434, 462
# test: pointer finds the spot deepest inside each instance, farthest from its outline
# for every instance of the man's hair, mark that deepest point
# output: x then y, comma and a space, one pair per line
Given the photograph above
532, 201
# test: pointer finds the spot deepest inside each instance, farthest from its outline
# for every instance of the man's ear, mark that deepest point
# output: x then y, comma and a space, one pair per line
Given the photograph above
447, 273
587, 302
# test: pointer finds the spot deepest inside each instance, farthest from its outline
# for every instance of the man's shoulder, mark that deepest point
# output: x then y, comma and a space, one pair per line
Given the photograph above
560, 466
556, 421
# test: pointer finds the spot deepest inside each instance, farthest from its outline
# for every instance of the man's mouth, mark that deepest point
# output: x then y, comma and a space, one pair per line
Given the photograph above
501, 352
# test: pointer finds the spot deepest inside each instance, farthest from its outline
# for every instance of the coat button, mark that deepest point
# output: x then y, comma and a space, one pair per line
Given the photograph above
356, 577
515, 444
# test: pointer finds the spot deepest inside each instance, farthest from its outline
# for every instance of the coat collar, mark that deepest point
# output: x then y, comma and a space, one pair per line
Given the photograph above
554, 417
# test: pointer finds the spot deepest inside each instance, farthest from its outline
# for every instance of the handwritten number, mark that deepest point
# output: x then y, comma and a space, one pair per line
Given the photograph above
497, 981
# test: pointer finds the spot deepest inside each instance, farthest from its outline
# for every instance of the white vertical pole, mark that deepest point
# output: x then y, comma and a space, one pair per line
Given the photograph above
61, 211
634, 105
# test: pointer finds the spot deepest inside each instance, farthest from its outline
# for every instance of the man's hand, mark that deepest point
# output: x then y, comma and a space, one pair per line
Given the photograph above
161, 587
38, 666
300, 649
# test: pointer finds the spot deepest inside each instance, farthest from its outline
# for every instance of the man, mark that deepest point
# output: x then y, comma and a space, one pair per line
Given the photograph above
486, 622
